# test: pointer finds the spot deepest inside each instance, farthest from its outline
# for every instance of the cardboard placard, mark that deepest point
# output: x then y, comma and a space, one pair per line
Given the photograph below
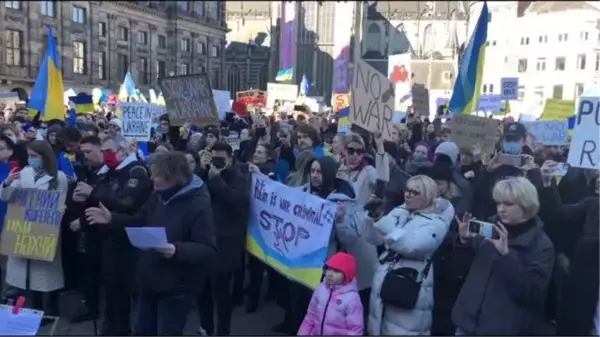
32, 224
510, 88
548, 132
467, 131
372, 105
281, 92
340, 101
557, 109
189, 98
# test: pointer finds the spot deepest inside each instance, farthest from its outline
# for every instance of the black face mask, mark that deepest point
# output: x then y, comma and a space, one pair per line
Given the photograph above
219, 162
260, 132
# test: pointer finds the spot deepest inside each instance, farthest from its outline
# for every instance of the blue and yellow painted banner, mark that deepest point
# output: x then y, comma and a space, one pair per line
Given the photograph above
289, 229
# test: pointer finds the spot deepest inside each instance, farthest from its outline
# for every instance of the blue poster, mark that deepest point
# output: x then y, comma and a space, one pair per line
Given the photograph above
490, 103
510, 88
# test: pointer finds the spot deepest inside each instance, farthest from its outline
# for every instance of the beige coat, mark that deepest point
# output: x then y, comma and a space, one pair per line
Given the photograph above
43, 276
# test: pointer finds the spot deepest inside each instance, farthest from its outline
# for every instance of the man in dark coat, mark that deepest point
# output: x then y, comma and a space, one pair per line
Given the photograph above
123, 186
229, 192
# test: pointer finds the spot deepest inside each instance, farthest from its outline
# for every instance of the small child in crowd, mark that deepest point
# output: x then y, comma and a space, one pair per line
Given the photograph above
335, 307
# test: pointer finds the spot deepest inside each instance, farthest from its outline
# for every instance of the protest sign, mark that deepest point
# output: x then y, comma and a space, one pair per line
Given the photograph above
189, 98
584, 150
9, 97
467, 131
549, 132
252, 97
340, 101
557, 109
32, 224
281, 92
26, 322
137, 121
222, 102
420, 100
489, 103
372, 105
289, 229
510, 88
234, 142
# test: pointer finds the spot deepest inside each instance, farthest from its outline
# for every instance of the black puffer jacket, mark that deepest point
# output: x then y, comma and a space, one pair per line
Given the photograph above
188, 221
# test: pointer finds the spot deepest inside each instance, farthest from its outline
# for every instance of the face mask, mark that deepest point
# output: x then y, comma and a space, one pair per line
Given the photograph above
110, 159
512, 147
419, 157
260, 132
35, 163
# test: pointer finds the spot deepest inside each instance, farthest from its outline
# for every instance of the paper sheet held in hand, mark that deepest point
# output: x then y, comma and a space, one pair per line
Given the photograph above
147, 237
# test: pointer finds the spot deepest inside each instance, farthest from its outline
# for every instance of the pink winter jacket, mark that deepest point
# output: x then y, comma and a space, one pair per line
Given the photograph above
334, 310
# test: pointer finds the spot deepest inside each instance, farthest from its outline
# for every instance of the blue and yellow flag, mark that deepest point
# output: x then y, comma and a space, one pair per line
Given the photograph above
82, 103
47, 95
127, 89
285, 75
468, 82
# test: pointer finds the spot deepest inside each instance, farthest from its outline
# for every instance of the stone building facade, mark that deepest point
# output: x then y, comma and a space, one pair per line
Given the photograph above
248, 45
99, 41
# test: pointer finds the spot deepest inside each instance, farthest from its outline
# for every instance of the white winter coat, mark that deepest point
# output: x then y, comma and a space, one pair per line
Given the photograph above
43, 276
415, 236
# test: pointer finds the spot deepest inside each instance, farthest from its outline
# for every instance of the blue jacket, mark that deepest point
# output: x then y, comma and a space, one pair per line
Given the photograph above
4, 170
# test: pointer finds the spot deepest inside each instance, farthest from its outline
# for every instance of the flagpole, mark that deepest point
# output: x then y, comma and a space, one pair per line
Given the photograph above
358, 18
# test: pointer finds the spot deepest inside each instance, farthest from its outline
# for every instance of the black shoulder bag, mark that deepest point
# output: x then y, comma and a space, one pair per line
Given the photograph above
401, 287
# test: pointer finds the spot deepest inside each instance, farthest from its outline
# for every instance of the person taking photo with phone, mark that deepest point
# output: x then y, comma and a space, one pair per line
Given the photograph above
505, 290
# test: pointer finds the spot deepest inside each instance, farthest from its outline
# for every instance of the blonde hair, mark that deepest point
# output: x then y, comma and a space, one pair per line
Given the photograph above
354, 138
426, 187
520, 191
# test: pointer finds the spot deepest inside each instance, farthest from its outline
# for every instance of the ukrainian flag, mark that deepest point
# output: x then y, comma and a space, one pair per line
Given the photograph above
285, 75
127, 88
83, 104
47, 95
153, 98
468, 82
9, 97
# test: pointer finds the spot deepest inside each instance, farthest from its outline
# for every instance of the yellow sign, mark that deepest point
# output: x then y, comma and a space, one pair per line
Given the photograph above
557, 109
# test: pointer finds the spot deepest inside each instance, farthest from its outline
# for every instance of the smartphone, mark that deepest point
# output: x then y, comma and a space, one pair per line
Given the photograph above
485, 229
15, 165
510, 159
560, 170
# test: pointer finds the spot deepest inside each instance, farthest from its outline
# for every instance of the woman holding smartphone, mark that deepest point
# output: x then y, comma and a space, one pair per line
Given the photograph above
505, 290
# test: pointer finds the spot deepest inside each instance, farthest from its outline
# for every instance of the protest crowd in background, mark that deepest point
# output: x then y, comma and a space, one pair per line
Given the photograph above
354, 219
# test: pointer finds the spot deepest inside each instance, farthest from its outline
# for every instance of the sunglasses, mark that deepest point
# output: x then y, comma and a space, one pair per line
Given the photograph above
352, 151
411, 193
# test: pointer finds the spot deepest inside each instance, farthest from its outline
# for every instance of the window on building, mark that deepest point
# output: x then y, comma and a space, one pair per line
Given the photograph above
213, 9
143, 70
543, 39
79, 15
216, 79
201, 70
597, 67
484, 89
491, 88
12, 4
102, 65
583, 36
521, 94
540, 64
13, 39
563, 37
446, 76
234, 79
581, 62
524, 41
201, 48
538, 93
48, 8
161, 69
185, 45
214, 51
142, 38
578, 89
184, 6
123, 64
199, 7
560, 63
79, 57
102, 29
522, 65
184, 69
373, 40
124, 34
162, 41
557, 91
